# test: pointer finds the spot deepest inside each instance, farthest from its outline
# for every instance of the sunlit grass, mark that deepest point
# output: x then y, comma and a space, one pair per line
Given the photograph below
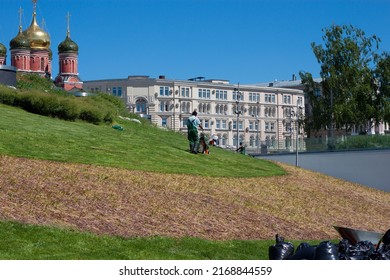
137, 147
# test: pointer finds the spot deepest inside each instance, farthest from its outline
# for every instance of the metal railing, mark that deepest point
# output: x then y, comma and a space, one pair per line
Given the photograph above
345, 143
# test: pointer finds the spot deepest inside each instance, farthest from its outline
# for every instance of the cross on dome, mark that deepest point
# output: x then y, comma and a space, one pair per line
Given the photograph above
35, 5
68, 26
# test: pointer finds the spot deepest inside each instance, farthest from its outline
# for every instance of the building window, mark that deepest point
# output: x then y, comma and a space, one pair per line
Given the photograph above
164, 106
288, 127
287, 99
221, 94
42, 64
240, 125
117, 91
270, 112
254, 111
287, 113
164, 121
223, 124
204, 93
140, 106
185, 107
253, 125
221, 109
218, 124
185, 92
269, 98
206, 124
204, 108
234, 95
254, 97
164, 91
300, 101
269, 126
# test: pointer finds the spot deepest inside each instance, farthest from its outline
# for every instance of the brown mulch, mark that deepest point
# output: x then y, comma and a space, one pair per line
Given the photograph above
300, 205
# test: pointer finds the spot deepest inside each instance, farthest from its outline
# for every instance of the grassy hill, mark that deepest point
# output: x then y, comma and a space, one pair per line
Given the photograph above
142, 183
137, 147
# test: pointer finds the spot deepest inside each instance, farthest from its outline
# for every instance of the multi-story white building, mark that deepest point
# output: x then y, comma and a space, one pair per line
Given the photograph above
260, 116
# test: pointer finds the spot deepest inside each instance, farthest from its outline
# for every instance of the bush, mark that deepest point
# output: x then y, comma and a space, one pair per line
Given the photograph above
365, 142
8, 96
91, 114
115, 101
39, 96
33, 81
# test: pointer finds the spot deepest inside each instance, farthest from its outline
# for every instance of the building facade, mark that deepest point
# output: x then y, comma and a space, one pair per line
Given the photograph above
260, 117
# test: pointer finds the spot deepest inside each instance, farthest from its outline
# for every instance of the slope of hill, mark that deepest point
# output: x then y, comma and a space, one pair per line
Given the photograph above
104, 200
143, 182
137, 147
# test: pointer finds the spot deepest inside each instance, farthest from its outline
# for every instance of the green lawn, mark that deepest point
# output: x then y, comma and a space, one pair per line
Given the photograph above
137, 147
30, 242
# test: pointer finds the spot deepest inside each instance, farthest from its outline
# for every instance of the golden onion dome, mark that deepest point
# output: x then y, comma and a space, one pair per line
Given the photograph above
39, 39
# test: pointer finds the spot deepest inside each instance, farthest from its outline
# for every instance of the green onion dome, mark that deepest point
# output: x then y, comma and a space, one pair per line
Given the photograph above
3, 50
68, 46
21, 41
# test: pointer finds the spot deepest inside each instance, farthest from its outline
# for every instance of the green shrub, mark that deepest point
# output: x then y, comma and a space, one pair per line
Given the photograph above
90, 109
91, 114
364, 142
68, 110
8, 96
115, 101
33, 81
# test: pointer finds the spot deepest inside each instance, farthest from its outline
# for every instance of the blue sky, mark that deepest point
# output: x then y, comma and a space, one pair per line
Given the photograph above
245, 41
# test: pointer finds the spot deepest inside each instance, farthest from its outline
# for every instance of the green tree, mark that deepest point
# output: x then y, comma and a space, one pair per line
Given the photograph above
382, 89
347, 58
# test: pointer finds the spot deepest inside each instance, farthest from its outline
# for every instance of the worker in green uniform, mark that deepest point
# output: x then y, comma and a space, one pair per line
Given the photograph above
193, 123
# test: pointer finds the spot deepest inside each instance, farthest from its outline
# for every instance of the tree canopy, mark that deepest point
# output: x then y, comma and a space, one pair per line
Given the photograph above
354, 80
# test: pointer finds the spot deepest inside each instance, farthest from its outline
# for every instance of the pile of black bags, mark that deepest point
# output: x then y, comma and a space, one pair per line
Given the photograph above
326, 250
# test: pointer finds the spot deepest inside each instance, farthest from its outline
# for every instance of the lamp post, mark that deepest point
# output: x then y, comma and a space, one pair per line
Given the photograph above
297, 116
258, 126
237, 111
296, 139
293, 115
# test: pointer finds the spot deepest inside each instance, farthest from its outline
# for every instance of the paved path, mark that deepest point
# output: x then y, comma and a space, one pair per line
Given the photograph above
369, 168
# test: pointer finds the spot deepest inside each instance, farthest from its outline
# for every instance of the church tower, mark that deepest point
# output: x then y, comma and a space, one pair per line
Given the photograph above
30, 49
20, 49
3, 54
68, 52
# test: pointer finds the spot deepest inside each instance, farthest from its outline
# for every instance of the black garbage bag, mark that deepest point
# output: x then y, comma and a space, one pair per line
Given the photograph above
386, 238
304, 252
360, 251
326, 251
380, 255
383, 249
343, 248
281, 250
